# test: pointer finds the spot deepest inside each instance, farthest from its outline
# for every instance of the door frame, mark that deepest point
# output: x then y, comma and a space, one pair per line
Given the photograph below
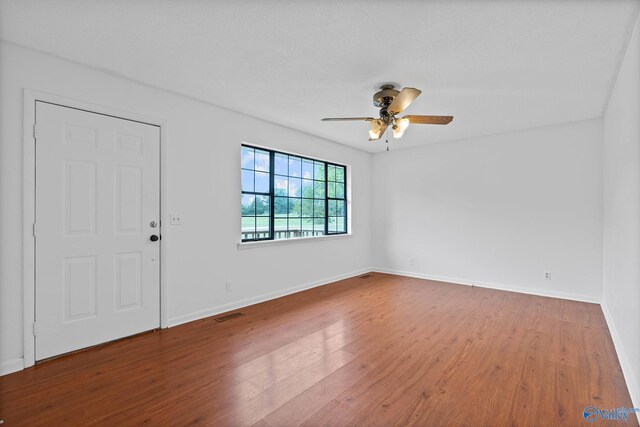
29, 203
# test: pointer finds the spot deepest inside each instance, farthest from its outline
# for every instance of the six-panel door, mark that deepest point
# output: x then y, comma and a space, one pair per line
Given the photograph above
97, 194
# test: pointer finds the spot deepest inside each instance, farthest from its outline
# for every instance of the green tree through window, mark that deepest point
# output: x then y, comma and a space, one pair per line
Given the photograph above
286, 196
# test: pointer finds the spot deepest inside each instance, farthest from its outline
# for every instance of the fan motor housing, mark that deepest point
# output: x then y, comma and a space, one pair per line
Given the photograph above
385, 96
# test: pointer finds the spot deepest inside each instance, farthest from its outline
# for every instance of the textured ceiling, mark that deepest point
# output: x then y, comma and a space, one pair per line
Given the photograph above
495, 65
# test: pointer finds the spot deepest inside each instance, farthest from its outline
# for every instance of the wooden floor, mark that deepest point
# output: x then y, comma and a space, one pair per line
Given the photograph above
383, 350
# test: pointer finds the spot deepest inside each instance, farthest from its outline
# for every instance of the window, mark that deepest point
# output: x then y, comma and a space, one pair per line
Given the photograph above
286, 196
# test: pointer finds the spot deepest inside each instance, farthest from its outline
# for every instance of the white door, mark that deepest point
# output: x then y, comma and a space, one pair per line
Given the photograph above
97, 199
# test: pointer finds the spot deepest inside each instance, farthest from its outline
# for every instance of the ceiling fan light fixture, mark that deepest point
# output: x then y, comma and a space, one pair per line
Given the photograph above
399, 127
397, 132
376, 129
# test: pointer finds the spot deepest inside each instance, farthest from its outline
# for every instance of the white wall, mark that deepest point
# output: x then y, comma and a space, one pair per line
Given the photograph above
496, 211
621, 275
203, 144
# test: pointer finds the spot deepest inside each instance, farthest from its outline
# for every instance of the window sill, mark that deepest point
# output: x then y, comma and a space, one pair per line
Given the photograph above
265, 243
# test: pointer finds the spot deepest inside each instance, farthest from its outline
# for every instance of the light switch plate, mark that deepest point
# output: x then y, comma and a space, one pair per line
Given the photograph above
175, 219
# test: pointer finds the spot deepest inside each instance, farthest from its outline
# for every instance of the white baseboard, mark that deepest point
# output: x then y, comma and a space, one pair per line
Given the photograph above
498, 286
178, 320
13, 365
632, 382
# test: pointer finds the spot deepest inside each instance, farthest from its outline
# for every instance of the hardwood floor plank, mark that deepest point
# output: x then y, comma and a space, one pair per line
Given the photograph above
385, 350
281, 392
302, 406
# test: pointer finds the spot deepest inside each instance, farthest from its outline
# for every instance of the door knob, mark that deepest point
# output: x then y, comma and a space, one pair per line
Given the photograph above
154, 238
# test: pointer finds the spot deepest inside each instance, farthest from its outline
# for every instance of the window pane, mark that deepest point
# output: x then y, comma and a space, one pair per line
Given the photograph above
262, 226
248, 225
262, 206
307, 224
332, 208
262, 160
319, 190
280, 224
308, 197
247, 158
307, 169
295, 187
331, 173
282, 164
280, 206
294, 208
248, 205
332, 224
281, 185
307, 188
247, 180
307, 207
331, 189
262, 182
295, 166
295, 224
319, 171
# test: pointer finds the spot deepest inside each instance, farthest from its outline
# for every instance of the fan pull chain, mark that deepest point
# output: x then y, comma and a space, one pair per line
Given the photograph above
387, 138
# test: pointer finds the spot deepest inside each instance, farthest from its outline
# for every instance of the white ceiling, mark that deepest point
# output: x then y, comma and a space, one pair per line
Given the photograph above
495, 65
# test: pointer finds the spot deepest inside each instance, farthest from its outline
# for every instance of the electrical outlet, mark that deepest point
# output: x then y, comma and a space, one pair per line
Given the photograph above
175, 219
547, 275
228, 288
412, 261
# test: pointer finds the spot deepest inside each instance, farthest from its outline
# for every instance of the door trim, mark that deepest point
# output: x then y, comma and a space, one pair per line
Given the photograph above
29, 199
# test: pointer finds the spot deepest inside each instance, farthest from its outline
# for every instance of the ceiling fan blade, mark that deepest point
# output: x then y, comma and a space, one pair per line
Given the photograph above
429, 120
345, 119
377, 129
406, 96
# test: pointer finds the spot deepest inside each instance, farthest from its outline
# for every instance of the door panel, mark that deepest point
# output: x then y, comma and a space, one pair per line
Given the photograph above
80, 287
97, 191
80, 198
128, 199
128, 281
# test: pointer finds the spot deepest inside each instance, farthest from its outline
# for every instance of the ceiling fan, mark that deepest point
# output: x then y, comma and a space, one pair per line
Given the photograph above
392, 102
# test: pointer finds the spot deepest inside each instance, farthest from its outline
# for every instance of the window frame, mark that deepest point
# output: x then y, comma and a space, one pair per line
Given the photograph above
271, 195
